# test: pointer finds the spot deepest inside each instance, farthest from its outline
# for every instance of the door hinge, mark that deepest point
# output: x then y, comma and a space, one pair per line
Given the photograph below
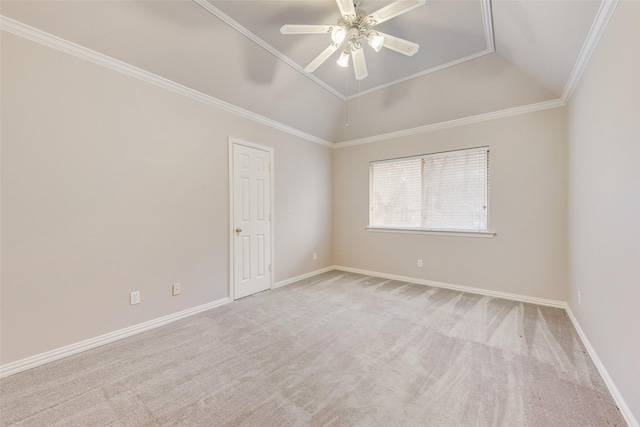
269, 267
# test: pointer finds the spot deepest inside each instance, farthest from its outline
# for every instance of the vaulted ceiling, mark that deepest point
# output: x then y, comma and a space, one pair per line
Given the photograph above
475, 56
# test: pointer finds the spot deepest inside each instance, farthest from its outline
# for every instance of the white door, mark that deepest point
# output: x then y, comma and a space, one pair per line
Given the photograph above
251, 220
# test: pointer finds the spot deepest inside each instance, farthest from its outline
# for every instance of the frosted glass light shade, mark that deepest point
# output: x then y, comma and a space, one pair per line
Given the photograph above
343, 61
338, 34
376, 41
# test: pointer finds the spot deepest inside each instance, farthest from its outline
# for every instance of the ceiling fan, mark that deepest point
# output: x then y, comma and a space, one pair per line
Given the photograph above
355, 26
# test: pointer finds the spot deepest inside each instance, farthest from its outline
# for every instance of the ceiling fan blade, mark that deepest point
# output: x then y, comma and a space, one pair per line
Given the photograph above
394, 9
346, 7
321, 58
359, 63
402, 46
306, 29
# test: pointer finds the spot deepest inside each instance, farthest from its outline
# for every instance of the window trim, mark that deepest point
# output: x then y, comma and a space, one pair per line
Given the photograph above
488, 233
451, 233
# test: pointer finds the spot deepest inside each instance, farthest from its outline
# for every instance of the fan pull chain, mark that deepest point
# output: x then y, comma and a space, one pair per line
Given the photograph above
346, 74
359, 100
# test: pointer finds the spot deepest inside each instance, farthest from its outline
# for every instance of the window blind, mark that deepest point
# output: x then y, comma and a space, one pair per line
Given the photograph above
442, 191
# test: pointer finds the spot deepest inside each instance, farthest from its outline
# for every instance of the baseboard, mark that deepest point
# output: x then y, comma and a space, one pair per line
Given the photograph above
617, 397
69, 350
51, 356
303, 276
469, 289
62, 352
622, 405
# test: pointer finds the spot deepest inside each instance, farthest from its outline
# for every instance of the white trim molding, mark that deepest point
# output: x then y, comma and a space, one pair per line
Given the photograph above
615, 393
597, 29
487, 17
266, 46
460, 288
602, 18
303, 276
524, 109
487, 24
49, 40
69, 350
451, 233
421, 73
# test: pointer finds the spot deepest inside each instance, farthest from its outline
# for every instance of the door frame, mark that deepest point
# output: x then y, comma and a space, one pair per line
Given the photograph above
237, 141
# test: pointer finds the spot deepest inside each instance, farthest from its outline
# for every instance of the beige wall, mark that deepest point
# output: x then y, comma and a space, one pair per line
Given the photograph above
604, 201
110, 185
528, 256
182, 42
483, 85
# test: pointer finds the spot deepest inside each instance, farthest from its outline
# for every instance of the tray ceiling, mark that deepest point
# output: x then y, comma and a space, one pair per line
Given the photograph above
448, 32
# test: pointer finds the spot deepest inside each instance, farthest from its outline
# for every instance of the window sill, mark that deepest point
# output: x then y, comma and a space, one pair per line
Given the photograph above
452, 233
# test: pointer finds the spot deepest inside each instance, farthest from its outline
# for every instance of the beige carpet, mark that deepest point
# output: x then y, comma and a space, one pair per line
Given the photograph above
337, 349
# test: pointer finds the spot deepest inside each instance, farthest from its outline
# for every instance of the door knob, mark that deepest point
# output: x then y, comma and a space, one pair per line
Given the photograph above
238, 229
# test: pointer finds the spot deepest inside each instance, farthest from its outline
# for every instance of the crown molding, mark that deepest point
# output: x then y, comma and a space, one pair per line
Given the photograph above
20, 29
422, 73
486, 23
266, 46
545, 105
602, 18
597, 29
487, 17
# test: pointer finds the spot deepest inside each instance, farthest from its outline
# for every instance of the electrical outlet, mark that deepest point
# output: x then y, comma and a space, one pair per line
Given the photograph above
135, 297
315, 256
419, 263
176, 288
579, 298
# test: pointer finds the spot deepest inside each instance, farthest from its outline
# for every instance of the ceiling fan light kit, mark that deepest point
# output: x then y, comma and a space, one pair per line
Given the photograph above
376, 41
354, 26
343, 60
338, 34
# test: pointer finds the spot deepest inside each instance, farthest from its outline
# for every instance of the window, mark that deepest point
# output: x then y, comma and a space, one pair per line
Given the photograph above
444, 191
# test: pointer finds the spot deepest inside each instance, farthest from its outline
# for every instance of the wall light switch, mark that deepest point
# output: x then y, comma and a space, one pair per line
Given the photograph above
419, 263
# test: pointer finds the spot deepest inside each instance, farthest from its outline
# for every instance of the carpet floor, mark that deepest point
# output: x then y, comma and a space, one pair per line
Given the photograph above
337, 349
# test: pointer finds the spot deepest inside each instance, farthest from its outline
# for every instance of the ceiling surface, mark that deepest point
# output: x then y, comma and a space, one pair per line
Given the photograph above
476, 56
448, 32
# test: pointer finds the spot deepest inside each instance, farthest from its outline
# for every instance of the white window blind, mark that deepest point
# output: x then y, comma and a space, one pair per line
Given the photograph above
443, 191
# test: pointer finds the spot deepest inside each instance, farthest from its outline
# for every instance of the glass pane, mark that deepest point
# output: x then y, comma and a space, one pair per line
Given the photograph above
443, 191
455, 196
396, 194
